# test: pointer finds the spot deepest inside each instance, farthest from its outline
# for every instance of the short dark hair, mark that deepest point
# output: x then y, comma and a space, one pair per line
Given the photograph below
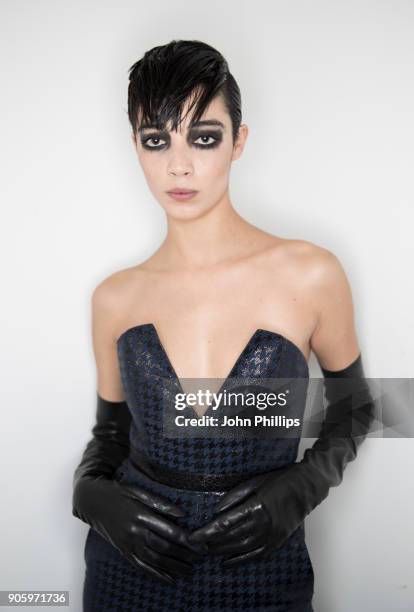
162, 80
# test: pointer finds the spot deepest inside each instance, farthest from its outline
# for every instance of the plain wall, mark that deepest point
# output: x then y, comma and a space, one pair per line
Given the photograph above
328, 95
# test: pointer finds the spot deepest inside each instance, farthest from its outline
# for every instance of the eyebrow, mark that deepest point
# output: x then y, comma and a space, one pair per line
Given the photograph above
201, 123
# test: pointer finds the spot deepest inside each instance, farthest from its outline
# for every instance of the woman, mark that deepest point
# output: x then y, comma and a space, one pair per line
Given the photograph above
207, 523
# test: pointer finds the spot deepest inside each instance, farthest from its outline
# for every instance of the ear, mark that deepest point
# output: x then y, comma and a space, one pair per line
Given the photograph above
240, 141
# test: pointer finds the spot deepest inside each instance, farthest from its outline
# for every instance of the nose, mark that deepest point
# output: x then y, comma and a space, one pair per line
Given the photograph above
179, 172
180, 164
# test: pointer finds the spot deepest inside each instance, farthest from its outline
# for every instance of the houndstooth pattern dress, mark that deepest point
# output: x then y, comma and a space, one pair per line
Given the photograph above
283, 582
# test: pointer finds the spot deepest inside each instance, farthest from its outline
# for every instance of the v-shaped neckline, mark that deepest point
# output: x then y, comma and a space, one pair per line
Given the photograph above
225, 379
233, 368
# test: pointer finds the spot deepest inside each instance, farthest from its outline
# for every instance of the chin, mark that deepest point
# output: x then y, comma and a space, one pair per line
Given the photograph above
183, 209
188, 211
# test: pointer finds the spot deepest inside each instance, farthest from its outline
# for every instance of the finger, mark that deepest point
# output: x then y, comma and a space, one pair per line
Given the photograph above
242, 530
221, 525
171, 549
247, 487
140, 564
198, 547
169, 531
237, 547
153, 500
248, 556
165, 562
239, 533
239, 492
257, 523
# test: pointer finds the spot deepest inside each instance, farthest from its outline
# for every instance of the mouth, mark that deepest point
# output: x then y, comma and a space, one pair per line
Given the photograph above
182, 194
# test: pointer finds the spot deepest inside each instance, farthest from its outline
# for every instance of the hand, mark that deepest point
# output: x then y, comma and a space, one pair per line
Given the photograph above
276, 504
244, 528
135, 522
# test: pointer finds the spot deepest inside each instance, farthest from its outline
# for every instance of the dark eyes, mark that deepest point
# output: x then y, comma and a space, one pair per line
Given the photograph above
207, 136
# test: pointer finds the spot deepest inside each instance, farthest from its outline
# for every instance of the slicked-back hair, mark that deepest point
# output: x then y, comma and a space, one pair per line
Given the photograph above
166, 76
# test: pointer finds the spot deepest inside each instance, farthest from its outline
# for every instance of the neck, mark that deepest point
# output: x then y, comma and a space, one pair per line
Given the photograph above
219, 235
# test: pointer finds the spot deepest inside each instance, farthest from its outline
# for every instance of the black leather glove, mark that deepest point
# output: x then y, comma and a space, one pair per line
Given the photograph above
132, 519
259, 515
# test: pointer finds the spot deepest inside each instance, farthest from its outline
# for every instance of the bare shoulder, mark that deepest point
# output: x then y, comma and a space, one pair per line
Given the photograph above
114, 286
324, 276
298, 255
328, 291
112, 295
317, 264
324, 270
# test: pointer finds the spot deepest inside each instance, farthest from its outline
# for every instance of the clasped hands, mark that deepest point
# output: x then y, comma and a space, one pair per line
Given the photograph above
252, 519
245, 527
142, 526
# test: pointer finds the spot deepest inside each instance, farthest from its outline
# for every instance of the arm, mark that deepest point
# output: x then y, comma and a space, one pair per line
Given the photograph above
136, 522
258, 515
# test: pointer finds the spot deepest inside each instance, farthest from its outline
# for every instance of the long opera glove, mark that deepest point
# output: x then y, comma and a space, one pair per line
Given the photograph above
258, 515
139, 523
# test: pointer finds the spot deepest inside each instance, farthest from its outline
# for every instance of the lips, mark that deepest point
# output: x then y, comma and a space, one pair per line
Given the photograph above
181, 194
182, 191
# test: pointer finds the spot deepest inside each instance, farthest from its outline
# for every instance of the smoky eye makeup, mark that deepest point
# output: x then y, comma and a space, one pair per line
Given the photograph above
201, 139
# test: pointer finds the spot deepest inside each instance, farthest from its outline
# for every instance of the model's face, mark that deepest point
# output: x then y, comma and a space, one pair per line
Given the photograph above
196, 157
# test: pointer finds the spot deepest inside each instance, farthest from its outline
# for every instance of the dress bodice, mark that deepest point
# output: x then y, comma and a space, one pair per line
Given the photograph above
144, 363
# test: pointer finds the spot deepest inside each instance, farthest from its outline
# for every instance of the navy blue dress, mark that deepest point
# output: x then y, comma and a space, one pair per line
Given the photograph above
283, 582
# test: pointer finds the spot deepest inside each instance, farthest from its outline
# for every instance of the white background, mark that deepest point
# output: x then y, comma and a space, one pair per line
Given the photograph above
328, 94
